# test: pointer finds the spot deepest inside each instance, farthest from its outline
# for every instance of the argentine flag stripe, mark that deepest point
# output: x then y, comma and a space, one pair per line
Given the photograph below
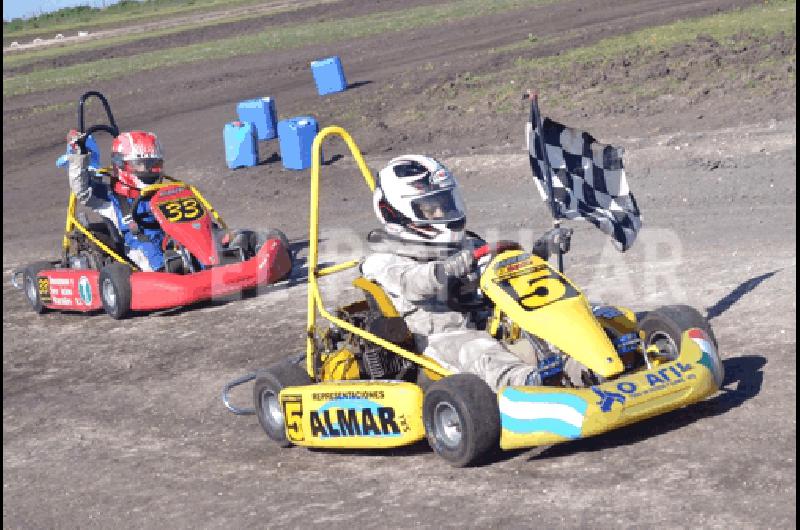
570, 400
530, 412
535, 411
544, 425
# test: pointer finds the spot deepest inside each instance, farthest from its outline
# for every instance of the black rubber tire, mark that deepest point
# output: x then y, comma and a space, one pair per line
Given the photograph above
263, 237
674, 320
255, 240
269, 383
30, 285
475, 404
116, 277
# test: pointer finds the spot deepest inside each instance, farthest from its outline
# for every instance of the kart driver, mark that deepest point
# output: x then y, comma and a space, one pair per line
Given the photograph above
421, 247
137, 162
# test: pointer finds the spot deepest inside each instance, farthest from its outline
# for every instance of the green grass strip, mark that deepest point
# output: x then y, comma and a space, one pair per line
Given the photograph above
770, 18
274, 38
85, 18
27, 57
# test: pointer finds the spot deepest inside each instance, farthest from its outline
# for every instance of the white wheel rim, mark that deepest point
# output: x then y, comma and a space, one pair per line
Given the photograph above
447, 424
31, 290
109, 294
272, 408
666, 346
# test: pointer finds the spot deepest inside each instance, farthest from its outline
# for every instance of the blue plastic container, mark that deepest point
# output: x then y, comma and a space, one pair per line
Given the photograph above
94, 160
241, 146
261, 112
328, 75
296, 136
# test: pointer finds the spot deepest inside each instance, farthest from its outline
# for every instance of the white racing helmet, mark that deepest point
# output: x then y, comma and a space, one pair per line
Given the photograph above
417, 199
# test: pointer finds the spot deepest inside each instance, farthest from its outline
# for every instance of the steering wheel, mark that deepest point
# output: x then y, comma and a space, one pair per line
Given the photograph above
462, 295
489, 251
81, 141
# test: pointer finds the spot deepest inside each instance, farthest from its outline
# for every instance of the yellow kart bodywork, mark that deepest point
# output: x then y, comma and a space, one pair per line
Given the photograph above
340, 411
532, 416
353, 414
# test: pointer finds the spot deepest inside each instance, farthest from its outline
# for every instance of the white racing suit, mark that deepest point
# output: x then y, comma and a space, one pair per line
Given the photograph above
439, 332
142, 246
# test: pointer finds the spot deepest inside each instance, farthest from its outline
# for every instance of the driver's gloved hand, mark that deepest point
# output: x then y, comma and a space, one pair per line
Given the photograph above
551, 241
76, 142
456, 266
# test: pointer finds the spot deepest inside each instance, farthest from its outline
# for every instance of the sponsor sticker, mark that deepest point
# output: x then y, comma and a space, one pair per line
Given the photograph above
85, 290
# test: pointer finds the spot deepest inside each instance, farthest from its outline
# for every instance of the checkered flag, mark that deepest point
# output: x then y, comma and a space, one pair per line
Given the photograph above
588, 180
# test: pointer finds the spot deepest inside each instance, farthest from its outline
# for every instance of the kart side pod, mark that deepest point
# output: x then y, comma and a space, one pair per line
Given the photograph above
532, 416
355, 415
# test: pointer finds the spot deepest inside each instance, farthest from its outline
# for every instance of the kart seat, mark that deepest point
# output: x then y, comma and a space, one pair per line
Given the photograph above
108, 234
377, 298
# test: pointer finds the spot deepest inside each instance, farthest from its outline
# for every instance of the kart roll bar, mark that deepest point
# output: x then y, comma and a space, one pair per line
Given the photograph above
106, 106
315, 303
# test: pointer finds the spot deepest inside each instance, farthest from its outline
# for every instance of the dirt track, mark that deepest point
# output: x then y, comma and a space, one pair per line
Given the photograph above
111, 423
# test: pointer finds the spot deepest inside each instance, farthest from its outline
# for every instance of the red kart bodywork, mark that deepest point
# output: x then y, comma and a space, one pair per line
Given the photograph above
79, 290
69, 289
181, 215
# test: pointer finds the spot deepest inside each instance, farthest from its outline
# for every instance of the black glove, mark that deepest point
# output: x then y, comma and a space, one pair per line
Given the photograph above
552, 241
77, 141
456, 266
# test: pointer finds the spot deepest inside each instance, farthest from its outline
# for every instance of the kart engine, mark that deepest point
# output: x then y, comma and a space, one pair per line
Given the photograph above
379, 363
374, 362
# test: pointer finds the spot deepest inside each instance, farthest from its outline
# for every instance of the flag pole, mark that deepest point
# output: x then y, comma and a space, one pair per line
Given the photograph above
536, 121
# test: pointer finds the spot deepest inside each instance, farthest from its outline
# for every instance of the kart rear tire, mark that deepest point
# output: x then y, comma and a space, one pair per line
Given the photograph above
667, 324
269, 383
115, 290
30, 285
461, 417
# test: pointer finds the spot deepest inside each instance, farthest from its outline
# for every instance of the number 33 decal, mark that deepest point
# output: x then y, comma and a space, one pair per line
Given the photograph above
182, 210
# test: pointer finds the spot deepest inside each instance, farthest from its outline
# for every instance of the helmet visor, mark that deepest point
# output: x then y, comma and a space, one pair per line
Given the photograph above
147, 170
440, 206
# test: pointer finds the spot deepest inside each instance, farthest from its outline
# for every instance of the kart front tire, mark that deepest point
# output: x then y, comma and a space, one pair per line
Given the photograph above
115, 290
672, 321
268, 385
30, 285
461, 417
665, 326
274, 233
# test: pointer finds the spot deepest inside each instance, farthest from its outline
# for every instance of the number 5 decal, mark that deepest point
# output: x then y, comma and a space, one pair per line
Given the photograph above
293, 414
533, 292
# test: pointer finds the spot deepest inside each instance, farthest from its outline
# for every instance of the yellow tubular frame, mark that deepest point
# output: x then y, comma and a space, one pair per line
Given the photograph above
315, 303
72, 220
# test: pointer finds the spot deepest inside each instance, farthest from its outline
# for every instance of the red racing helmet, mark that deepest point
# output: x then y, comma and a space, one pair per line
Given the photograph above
137, 159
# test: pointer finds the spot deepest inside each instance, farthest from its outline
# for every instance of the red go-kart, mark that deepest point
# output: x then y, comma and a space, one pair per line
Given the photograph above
203, 259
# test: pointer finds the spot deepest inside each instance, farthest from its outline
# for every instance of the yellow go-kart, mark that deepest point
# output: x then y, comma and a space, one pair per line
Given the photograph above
362, 385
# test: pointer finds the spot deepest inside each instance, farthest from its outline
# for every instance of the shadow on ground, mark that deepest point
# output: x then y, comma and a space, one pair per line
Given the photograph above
734, 296
743, 381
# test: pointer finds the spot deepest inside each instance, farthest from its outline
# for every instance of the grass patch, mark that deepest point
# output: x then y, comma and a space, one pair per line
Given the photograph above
768, 19
274, 38
30, 56
85, 17
771, 18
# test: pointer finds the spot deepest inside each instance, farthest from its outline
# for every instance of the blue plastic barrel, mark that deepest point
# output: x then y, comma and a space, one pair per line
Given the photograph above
91, 146
296, 136
241, 146
261, 112
329, 75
